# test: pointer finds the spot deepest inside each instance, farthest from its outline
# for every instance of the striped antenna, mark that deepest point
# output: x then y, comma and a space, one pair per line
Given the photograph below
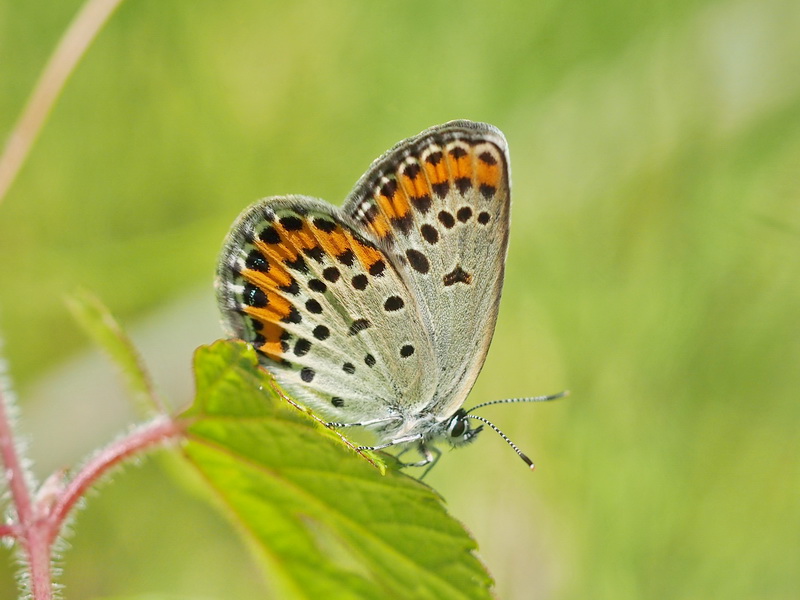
521, 454
527, 460
528, 399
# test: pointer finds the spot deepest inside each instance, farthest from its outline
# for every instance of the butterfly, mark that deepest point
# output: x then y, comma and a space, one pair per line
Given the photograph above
380, 313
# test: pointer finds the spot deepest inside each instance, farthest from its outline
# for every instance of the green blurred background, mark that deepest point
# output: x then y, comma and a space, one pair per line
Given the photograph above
654, 266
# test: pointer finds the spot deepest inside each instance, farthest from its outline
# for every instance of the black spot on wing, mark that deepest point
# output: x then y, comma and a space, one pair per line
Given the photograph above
359, 281
254, 296
457, 275
464, 214
377, 268
487, 158
255, 261
358, 326
317, 286
463, 184
441, 189
324, 225
315, 252
301, 347
331, 274
346, 258
446, 219
406, 350
389, 188
291, 223
422, 203
488, 190
411, 171
269, 235
403, 223
429, 233
418, 261
313, 306
393, 303
434, 158
293, 316
298, 264
292, 288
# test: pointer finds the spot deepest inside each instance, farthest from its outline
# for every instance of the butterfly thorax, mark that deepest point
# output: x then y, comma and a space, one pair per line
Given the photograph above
455, 428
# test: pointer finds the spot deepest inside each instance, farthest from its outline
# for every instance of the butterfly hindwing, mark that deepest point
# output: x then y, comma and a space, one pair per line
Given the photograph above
326, 309
438, 204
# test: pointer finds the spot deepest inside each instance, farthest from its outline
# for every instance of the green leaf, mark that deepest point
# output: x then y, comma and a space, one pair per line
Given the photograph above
103, 328
327, 523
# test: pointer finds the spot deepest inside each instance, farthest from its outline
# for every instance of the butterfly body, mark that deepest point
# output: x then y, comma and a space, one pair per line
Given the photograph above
380, 313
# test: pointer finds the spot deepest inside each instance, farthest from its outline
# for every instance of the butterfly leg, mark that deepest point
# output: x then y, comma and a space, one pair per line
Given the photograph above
433, 461
335, 425
420, 447
430, 454
394, 442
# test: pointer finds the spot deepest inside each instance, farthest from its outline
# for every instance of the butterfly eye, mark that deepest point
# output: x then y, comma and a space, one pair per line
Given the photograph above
458, 426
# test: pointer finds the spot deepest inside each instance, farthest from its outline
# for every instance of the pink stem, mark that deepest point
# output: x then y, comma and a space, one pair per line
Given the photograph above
15, 475
38, 549
155, 432
27, 532
40, 523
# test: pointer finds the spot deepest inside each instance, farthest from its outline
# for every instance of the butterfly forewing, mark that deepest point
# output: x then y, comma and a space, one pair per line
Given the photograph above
438, 205
326, 309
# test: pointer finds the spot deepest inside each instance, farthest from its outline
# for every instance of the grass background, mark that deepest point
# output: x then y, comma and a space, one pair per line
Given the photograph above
654, 265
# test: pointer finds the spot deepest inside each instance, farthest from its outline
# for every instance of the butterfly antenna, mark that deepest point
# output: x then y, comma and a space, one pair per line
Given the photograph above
528, 399
522, 455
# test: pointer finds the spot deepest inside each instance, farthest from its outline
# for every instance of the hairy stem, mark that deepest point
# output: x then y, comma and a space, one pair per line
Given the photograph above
15, 474
155, 432
28, 528
9, 530
40, 521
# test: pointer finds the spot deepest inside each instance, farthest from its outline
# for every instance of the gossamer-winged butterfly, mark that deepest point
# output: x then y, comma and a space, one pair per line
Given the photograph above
380, 314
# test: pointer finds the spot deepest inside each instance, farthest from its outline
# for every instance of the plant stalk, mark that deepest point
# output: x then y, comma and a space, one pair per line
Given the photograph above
80, 34
29, 531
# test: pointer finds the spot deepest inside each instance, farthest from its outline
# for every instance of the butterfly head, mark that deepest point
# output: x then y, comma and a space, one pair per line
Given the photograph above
457, 429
